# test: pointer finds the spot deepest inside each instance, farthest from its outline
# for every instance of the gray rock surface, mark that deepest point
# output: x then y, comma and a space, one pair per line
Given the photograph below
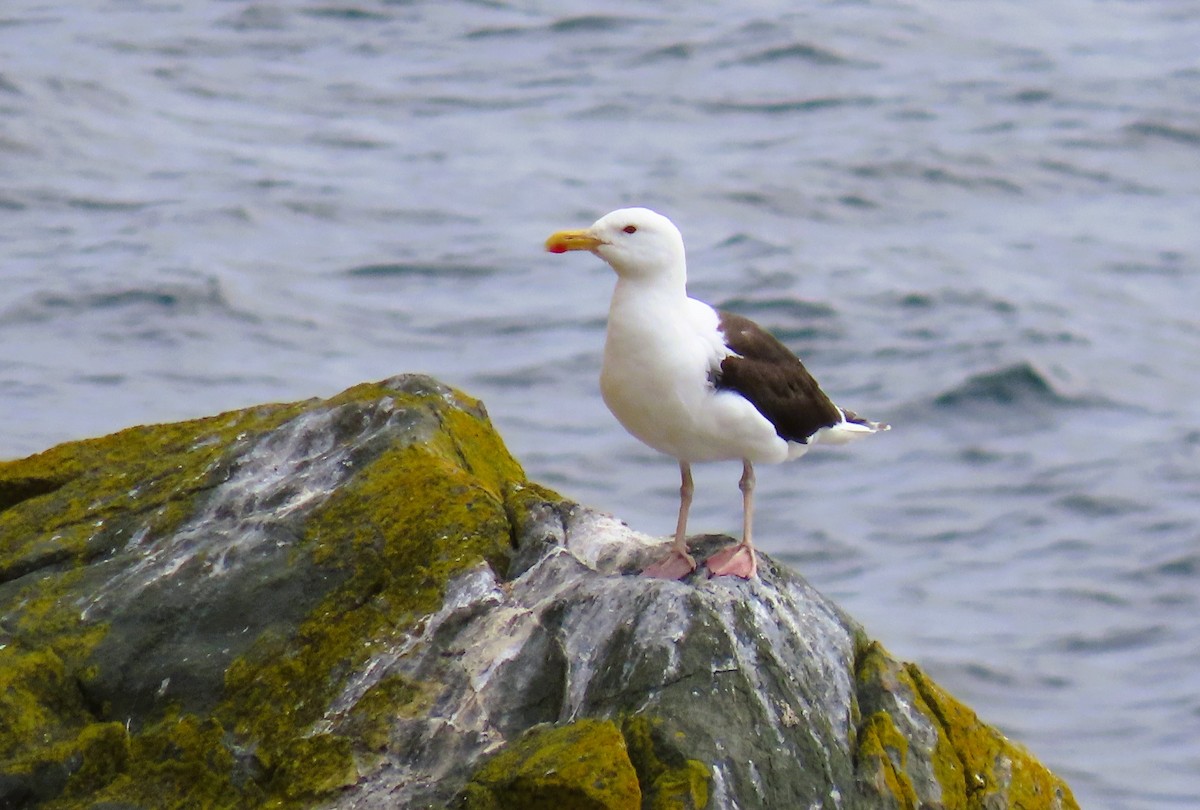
761, 681
757, 677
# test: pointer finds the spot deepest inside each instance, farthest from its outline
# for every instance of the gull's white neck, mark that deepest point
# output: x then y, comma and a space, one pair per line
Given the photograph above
656, 292
649, 317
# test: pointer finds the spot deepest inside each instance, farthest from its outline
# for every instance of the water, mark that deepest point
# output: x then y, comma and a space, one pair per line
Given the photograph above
975, 221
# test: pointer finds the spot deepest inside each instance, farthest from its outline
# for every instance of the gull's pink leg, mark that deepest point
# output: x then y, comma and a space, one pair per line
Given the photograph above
678, 563
739, 560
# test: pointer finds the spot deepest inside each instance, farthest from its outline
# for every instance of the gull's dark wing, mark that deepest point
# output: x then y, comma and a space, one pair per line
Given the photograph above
766, 372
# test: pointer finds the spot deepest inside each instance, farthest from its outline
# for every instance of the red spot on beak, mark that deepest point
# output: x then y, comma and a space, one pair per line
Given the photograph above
563, 241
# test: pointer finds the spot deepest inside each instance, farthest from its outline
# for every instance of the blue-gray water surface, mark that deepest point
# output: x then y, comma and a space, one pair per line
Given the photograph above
977, 221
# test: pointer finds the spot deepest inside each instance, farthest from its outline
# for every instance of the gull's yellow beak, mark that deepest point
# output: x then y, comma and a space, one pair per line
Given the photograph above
563, 241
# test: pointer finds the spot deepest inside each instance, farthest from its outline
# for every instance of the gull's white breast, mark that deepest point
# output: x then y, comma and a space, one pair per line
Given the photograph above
659, 353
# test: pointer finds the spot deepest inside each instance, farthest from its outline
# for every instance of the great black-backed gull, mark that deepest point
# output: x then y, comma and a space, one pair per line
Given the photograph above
697, 383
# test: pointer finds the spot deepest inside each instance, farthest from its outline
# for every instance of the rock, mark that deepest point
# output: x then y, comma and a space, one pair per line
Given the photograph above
362, 603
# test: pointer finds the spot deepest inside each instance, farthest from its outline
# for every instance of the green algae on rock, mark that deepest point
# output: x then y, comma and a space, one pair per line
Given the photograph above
669, 780
360, 602
922, 747
226, 573
590, 764
581, 765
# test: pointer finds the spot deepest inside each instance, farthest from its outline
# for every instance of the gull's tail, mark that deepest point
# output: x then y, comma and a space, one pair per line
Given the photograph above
850, 428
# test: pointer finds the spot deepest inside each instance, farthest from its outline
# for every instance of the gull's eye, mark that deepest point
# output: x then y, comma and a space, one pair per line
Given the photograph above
630, 229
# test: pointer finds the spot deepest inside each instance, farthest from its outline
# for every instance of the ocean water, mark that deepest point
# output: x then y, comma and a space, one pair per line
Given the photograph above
977, 221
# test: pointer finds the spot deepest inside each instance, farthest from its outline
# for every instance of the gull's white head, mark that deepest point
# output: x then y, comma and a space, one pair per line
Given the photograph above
636, 242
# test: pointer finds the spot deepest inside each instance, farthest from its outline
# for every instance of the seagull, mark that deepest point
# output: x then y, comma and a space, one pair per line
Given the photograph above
697, 383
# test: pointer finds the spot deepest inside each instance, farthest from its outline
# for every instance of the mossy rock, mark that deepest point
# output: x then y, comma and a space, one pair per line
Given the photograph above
361, 602
668, 778
181, 602
919, 746
592, 763
582, 765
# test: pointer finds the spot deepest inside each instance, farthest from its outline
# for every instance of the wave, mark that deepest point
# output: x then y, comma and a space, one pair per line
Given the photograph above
352, 13
744, 246
101, 204
786, 106
1017, 384
592, 23
1163, 131
672, 52
417, 269
1089, 505
206, 295
797, 51
1112, 640
778, 309
967, 177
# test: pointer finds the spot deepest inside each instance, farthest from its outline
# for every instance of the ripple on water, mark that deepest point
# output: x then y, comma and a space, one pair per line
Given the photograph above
1022, 383
418, 269
1091, 505
204, 295
796, 52
1170, 132
1112, 640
